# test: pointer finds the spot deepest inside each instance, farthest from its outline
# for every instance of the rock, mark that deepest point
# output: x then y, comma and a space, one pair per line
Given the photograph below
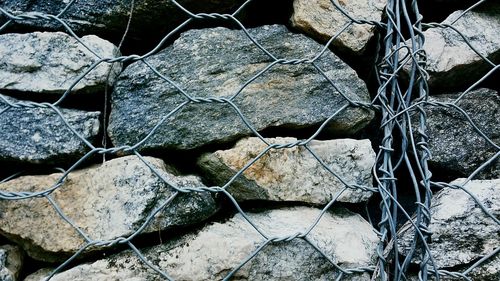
108, 18
218, 248
215, 63
11, 262
321, 20
293, 174
40, 274
451, 63
455, 146
461, 232
106, 202
49, 62
39, 135
488, 270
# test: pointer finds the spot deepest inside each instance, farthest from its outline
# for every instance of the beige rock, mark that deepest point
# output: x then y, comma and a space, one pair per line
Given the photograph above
106, 202
322, 20
212, 253
293, 174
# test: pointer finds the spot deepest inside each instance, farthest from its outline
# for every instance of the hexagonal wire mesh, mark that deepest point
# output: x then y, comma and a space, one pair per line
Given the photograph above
401, 104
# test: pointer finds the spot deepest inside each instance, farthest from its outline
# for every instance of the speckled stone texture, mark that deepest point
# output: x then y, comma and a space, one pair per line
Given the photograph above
321, 20
105, 201
38, 135
451, 63
218, 248
456, 147
461, 232
293, 174
216, 63
11, 262
50, 62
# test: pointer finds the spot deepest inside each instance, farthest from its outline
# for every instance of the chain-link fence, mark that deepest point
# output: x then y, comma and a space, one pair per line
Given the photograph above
401, 103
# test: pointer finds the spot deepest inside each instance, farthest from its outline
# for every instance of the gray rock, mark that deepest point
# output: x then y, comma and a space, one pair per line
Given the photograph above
461, 232
293, 174
39, 135
109, 17
451, 63
322, 20
49, 62
11, 262
218, 248
216, 63
106, 202
455, 146
488, 270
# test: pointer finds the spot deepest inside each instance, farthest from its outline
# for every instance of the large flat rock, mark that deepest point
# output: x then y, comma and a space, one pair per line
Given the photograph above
455, 146
40, 136
106, 202
293, 174
50, 62
321, 20
213, 252
216, 63
461, 232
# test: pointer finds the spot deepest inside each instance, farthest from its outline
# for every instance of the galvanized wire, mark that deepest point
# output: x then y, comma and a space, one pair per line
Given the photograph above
404, 146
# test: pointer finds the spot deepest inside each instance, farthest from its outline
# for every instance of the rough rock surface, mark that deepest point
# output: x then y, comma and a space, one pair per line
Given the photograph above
107, 201
42, 274
218, 248
293, 174
321, 20
109, 17
11, 262
456, 147
451, 63
216, 63
39, 135
461, 231
49, 62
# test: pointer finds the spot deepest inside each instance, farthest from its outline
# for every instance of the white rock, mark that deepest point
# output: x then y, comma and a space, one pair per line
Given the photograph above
212, 253
451, 62
461, 232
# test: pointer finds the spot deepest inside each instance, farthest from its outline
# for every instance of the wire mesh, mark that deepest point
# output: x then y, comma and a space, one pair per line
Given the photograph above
404, 145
